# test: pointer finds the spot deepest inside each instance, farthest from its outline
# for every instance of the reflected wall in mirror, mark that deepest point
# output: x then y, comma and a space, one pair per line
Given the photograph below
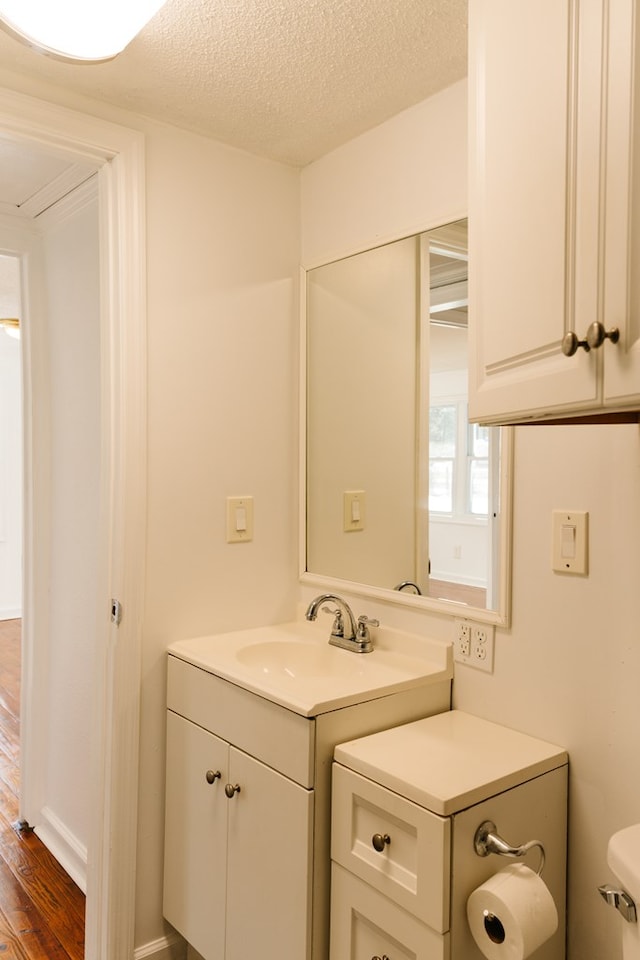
401, 491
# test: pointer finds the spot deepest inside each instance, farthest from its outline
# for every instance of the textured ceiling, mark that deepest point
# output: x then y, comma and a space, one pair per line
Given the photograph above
285, 79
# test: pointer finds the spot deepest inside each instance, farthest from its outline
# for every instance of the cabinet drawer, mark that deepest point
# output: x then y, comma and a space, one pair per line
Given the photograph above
413, 868
365, 924
280, 738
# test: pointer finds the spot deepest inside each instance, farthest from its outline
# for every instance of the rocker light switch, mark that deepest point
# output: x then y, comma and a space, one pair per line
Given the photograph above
570, 541
354, 510
239, 519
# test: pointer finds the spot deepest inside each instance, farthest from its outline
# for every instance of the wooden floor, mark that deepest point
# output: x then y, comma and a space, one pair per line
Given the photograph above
446, 590
41, 908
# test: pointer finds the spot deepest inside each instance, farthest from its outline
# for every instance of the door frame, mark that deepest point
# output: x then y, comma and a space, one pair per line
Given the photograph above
118, 155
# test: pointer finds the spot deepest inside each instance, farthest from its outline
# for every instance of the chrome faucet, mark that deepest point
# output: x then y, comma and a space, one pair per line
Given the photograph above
408, 585
349, 636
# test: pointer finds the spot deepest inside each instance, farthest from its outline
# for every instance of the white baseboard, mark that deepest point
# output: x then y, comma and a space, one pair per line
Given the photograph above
65, 847
450, 576
11, 613
171, 947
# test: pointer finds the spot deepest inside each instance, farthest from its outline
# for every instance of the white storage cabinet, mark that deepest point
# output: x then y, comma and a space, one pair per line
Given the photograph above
247, 836
406, 806
553, 208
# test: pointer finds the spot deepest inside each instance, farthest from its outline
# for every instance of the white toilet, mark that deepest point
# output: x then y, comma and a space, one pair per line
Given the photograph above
623, 857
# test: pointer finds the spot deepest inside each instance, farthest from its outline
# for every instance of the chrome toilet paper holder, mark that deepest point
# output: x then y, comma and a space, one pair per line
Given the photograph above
486, 840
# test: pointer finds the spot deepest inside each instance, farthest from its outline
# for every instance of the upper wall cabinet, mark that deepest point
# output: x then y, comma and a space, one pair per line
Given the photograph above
554, 218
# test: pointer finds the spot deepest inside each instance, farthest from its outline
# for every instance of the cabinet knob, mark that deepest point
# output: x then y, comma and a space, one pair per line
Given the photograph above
380, 841
231, 788
571, 344
212, 775
596, 335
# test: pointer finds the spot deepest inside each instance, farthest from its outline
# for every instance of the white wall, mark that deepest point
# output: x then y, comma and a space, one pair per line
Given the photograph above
458, 551
568, 668
223, 350
10, 447
403, 177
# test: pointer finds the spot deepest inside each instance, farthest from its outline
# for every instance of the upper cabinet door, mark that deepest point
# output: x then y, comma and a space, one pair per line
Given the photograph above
622, 246
545, 252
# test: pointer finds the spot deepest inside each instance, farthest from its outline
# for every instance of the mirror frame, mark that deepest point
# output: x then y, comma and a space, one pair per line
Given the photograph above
501, 616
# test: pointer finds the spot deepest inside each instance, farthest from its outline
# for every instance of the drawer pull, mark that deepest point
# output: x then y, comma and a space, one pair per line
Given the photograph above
383, 957
230, 789
212, 775
379, 842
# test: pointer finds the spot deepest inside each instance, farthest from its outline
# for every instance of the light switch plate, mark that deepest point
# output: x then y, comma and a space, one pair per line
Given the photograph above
355, 505
570, 541
239, 519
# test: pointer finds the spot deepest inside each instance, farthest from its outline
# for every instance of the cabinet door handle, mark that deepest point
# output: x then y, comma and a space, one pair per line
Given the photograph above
383, 957
231, 788
596, 335
212, 775
571, 344
379, 841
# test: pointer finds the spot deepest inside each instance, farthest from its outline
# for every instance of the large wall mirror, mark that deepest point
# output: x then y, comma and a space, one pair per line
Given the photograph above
404, 498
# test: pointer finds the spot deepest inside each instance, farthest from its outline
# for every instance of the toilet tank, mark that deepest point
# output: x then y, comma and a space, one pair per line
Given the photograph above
623, 857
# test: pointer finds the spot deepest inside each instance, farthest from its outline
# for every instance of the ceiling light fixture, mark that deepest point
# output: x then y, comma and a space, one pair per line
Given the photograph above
77, 30
11, 326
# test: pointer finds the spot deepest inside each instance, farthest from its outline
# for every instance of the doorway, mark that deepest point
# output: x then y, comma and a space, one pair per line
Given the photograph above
117, 155
62, 629
41, 908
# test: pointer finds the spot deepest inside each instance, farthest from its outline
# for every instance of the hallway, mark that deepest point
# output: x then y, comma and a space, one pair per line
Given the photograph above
41, 908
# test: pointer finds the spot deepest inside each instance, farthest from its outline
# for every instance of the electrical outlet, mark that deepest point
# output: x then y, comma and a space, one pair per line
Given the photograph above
473, 645
462, 641
482, 647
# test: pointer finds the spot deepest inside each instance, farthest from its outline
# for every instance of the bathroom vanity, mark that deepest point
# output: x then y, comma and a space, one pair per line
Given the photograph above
407, 804
252, 722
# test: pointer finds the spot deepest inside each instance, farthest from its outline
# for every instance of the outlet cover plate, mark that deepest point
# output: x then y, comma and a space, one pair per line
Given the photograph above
482, 643
473, 644
462, 641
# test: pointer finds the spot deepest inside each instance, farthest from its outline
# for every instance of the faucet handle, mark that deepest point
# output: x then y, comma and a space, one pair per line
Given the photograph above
338, 625
364, 623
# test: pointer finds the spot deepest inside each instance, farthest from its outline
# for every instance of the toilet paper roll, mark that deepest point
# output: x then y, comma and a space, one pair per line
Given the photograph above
512, 914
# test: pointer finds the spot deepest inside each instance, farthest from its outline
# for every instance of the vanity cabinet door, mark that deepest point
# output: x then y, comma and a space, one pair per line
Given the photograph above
270, 864
196, 835
238, 863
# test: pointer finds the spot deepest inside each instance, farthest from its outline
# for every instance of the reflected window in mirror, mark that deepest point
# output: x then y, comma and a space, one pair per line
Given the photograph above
387, 433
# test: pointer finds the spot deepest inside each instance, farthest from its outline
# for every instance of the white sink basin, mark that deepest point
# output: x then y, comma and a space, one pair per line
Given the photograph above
294, 665
293, 659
